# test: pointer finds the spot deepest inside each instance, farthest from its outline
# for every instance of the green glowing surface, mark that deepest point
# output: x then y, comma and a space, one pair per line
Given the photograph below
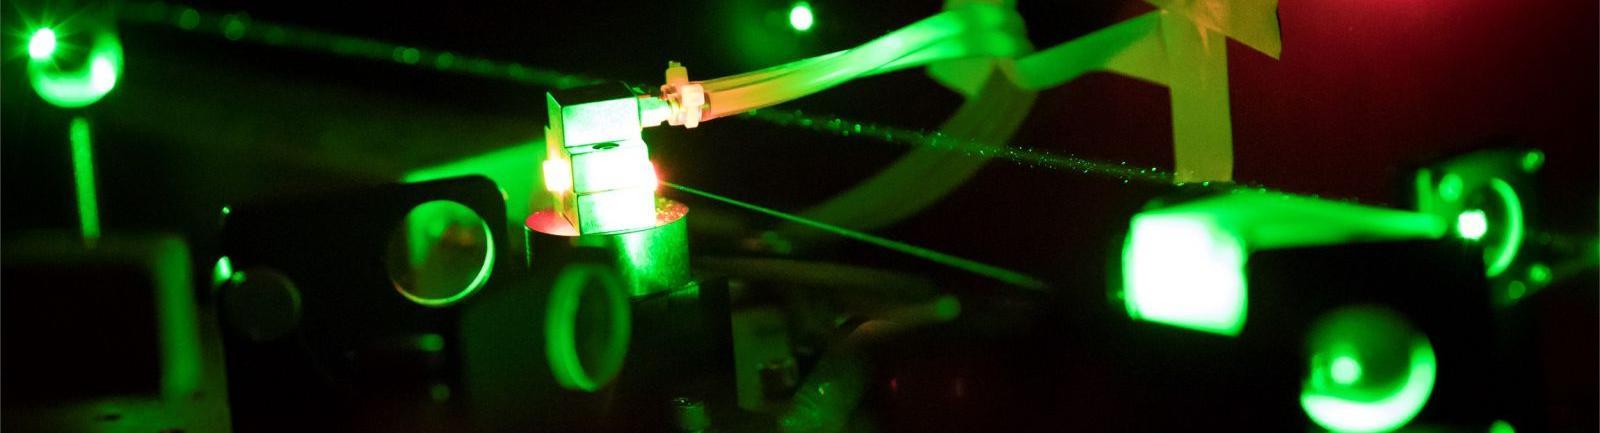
81, 86
616, 210
512, 168
626, 165
1500, 257
243, 28
561, 328
1472, 224
990, 271
1186, 273
970, 30
801, 17
83, 177
1423, 184
1532, 160
1501, 426
42, 44
1184, 265
1450, 187
222, 272
1340, 395
597, 166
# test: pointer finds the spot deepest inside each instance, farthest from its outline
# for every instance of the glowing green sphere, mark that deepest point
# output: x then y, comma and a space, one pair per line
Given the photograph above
1369, 371
800, 16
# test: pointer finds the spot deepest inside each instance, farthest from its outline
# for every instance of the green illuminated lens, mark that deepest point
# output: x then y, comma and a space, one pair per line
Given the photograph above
801, 17
1370, 371
1184, 271
83, 177
1539, 274
1346, 370
42, 45
601, 326
1472, 224
1502, 255
79, 87
440, 253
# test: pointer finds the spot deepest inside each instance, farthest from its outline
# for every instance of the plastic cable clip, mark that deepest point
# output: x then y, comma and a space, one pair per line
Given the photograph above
687, 99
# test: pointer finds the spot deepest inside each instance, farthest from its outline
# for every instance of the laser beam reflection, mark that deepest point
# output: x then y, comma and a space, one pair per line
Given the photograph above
993, 272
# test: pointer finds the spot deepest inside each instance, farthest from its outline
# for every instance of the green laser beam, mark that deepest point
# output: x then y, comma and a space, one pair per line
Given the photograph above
83, 177
1019, 155
238, 28
990, 271
42, 44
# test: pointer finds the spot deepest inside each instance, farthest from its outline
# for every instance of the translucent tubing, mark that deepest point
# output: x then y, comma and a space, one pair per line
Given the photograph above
974, 30
982, 44
936, 38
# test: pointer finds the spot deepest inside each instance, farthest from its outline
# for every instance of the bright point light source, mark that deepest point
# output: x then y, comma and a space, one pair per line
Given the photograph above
1184, 271
1472, 224
42, 45
557, 176
800, 17
1346, 370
